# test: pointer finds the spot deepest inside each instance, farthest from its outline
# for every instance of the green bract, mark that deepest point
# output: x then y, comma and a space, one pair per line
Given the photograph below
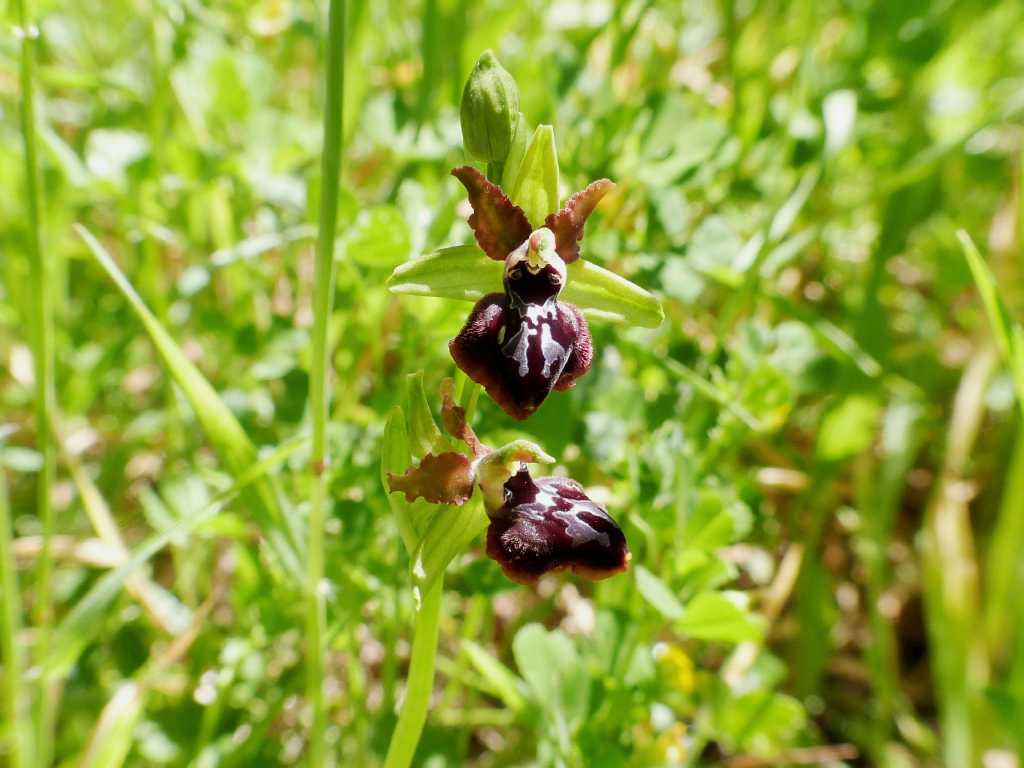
490, 110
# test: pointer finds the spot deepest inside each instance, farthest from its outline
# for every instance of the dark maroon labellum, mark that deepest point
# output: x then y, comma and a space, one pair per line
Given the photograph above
549, 524
522, 345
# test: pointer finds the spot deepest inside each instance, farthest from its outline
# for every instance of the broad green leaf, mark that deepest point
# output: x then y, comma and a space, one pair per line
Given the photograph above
82, 623
760, 722
536, 187
458, 272
112, 737
716, 520
217, 420
379, 237
657, 593
558, 679
713, 616
848, 428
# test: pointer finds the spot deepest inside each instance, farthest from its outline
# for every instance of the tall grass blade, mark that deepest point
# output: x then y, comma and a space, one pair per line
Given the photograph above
16, 703
112, 737
1008, 333
217, 420
323, 297
950, 574
41, 325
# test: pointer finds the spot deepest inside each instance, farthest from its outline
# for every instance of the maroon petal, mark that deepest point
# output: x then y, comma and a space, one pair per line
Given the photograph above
500, 226
567, 224
518, 352
454, 418
444, 478
550, 524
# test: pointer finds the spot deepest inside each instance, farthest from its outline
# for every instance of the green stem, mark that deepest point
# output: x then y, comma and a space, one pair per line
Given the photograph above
420, 681
323, 295
42, 329
15, 701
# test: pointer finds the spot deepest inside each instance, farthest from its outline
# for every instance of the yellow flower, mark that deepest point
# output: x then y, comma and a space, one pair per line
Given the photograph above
676, 667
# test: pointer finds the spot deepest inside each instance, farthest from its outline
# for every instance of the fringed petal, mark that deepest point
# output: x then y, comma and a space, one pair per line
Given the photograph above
567, 223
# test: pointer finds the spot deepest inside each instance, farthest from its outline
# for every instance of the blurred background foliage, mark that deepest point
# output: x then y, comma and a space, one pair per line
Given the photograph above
817, 457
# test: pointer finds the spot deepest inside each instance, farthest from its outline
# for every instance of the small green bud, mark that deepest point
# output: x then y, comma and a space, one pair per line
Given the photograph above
490, 110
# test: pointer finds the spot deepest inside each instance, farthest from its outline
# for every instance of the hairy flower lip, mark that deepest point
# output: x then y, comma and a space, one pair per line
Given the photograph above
549, 524
519, 352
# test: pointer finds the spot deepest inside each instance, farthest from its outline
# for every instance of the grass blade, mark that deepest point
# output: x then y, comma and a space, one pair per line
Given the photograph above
112, 737
1009, 334
950, 574
41, 325
323, 296
217, 420
16, 707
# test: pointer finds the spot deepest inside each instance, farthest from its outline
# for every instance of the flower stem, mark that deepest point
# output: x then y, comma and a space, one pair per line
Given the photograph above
41, 325
323, 294
420, 680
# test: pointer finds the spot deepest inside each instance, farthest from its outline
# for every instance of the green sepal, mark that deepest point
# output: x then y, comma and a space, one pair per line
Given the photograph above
536, 185
463, 272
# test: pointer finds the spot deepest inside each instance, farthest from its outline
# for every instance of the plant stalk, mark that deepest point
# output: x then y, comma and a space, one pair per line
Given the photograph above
419, 682
41, 325
323, 294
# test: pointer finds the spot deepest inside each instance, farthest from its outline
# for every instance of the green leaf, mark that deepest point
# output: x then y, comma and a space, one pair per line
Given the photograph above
217, 420
713, 616
379, 237
554, 673
761, 722
848, 428
536, 188
657, 593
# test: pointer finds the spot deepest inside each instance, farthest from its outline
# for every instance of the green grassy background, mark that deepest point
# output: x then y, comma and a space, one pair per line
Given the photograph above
817, 458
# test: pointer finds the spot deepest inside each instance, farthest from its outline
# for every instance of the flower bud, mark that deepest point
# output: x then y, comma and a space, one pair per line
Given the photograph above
490, 110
